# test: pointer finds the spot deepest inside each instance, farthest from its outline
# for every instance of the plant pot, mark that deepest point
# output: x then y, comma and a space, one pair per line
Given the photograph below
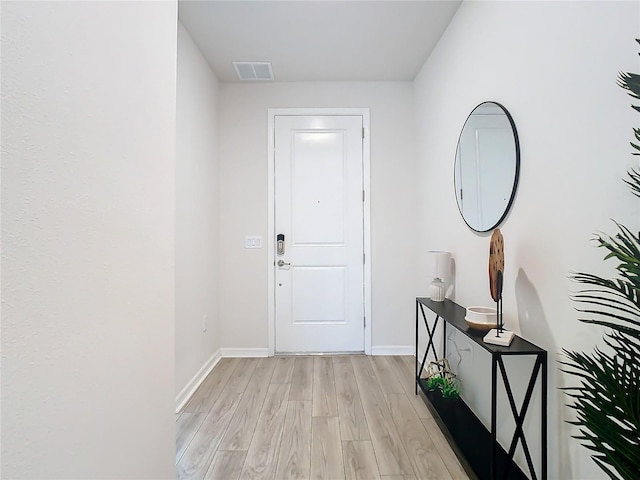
447, 408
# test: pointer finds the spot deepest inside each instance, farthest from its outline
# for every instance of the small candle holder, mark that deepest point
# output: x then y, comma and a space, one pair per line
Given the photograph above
440, 266
437, 290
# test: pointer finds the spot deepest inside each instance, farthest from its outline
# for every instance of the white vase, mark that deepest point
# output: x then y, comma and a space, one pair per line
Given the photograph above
437, 290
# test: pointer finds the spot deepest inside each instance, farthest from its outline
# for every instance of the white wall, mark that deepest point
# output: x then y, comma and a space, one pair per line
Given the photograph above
88, 138
243, 204
554, 66
196, 212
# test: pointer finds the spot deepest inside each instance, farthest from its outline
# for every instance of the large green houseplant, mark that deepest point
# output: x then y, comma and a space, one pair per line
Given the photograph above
607, 401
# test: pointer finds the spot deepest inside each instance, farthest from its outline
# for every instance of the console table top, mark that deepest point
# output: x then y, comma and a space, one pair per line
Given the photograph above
454, 314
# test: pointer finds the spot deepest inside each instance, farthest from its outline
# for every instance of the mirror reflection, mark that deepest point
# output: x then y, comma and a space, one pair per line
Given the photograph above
487, 166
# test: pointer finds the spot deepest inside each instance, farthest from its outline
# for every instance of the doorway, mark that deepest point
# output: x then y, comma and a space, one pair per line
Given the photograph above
319, 245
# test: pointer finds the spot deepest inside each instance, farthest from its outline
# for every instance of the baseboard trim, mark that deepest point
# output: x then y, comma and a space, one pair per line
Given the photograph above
244, 352
393, 350
186, 393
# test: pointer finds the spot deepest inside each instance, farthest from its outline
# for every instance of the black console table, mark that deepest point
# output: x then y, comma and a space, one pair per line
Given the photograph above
479, 445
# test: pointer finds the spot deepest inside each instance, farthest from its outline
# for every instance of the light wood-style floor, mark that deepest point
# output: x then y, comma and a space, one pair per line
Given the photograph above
322, 417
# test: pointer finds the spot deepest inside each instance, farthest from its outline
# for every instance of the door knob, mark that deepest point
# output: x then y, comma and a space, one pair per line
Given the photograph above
282, 263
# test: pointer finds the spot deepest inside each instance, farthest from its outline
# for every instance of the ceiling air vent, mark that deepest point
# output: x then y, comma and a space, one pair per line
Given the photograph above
253, 70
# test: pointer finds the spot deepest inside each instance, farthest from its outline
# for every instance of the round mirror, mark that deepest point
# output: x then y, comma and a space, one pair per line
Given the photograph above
487, 166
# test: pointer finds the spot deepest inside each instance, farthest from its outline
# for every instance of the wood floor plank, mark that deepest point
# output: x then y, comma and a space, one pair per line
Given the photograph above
242, 374
302, 379
362, 367
226, 466
424, 457
294, 459
254, 419
324, 388
199, 454
405, 376
444, 450
186, 428
353, 425
284, 370
326, 450
206, 395
410, 360
388, 380
390, 453
398, 477
262, 455
238, 435
360, 461
264, 369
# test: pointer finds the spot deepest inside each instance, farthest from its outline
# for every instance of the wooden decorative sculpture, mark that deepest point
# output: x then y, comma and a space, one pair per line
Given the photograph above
496, 263
497, 336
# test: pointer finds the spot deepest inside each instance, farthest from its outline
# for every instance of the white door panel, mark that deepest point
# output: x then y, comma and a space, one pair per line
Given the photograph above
319, 291
307, 306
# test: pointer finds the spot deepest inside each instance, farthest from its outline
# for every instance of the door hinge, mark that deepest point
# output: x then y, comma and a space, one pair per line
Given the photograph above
363, 133
363, 258
365, 321
363, 195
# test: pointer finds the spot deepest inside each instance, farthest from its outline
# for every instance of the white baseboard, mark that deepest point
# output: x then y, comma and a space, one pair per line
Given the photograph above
244, 352
184, 396
393, 350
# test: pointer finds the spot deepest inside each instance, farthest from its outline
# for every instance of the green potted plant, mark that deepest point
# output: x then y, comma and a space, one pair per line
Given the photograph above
444, 394
447, 387
443, 391
607, 399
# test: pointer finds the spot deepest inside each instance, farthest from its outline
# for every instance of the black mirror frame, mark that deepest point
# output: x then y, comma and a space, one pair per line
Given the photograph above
516, 179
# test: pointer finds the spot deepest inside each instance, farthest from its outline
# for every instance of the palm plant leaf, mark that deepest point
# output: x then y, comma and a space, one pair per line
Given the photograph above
634, 180
636, 131
603, 404
630, 82
607, 399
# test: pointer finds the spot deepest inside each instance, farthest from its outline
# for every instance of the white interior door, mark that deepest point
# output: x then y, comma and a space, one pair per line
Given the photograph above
319, 278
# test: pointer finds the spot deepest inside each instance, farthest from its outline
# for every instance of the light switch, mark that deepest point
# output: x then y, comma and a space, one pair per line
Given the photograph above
253, 241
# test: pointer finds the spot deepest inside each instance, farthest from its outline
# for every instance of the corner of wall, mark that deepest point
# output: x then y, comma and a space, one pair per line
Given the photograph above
197, 215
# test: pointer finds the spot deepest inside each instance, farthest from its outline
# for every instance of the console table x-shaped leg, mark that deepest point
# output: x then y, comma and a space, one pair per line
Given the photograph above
540, 365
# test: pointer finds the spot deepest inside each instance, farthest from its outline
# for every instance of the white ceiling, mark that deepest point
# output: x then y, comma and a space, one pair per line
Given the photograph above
310, 40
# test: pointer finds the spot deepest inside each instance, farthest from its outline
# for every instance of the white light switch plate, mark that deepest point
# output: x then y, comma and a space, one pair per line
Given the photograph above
253, 241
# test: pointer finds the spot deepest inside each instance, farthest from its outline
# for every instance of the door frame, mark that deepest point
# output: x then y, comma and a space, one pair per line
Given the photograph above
366, 163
